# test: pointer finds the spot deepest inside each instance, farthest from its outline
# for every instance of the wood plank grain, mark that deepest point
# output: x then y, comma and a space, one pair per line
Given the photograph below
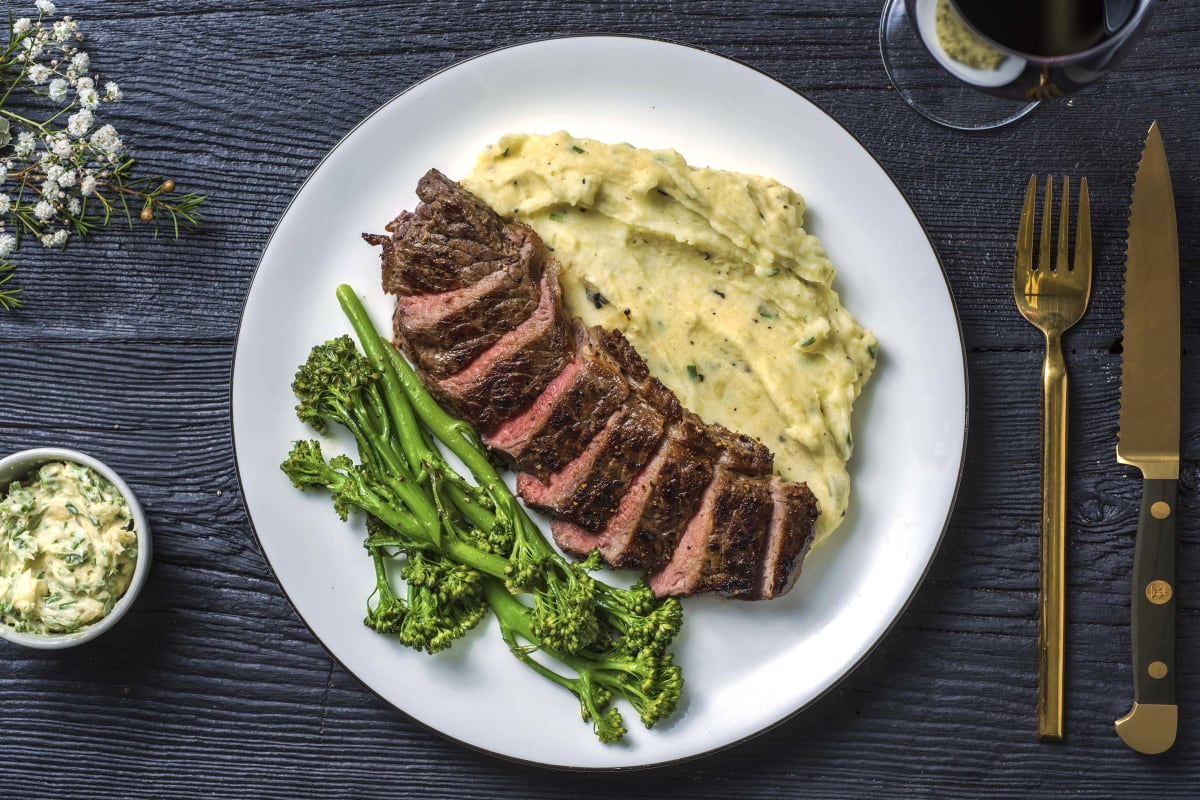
214, 687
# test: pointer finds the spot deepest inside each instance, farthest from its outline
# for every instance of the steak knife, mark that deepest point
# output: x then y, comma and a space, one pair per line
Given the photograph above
1149, 440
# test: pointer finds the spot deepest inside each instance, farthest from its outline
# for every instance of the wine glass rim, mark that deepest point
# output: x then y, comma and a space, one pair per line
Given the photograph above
1135, 19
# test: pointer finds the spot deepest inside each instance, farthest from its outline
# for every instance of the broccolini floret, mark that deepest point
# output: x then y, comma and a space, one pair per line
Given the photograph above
646, 678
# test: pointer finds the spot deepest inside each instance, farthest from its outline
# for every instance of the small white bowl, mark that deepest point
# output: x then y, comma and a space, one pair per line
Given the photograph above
25, 461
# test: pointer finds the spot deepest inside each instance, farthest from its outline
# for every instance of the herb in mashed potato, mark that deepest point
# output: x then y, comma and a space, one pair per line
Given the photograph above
67, 552
712, 277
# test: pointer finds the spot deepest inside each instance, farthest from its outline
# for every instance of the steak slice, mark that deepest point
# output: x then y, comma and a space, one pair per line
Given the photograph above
634, 368
574, 407
793, 517
452, 240
721, 549
645, 529
510, 374
572, 539
739, 452
587, 490
448, 330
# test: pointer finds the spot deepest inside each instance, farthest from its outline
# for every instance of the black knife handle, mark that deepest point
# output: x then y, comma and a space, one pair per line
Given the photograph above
1153, 607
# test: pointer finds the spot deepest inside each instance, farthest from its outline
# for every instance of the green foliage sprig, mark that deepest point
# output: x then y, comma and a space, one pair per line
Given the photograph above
64, 174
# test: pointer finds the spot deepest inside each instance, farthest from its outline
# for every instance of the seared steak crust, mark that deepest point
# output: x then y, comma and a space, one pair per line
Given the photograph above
739, 452
654, 512
508, 376
634, 368
511, 373
686, 470
643, 531
452, 240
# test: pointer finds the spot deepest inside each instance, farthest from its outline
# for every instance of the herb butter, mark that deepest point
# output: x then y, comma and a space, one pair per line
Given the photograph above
68, 551
712, 277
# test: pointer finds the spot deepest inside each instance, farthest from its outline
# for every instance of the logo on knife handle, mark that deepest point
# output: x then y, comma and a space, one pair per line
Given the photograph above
1158, 592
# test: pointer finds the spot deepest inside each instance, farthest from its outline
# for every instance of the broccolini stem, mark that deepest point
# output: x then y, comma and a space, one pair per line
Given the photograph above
451, 547
515, 617
394, 397
456, 434
423, 512
470, 507
401, 380
514, 621
406, 524
415, 441
430, 521
487, 563
460, 438
375, 430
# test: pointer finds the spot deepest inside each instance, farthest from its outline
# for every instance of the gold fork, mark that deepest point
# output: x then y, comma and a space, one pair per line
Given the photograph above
1053, 297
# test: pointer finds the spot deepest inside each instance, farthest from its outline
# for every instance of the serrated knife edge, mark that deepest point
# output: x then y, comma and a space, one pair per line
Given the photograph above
1148, 437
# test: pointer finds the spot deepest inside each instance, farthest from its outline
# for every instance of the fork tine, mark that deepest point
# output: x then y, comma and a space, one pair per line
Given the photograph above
1083, 231
1047, 211
1025, 229
1064, 226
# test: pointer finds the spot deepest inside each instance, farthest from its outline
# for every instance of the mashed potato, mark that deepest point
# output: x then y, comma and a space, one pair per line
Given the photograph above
714, 280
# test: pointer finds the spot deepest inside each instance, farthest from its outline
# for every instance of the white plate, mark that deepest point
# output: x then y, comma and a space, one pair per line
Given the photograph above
747, 666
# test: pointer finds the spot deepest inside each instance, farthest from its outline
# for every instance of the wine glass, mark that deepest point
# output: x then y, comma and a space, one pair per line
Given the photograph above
980, 64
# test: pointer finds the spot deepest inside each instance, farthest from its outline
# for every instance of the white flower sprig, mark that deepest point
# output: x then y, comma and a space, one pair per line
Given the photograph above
63, 173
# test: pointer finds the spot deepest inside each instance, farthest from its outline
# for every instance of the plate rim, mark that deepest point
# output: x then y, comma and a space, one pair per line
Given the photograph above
850, 668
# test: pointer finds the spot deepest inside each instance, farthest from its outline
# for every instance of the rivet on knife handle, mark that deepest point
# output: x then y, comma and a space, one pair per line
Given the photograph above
1150, 726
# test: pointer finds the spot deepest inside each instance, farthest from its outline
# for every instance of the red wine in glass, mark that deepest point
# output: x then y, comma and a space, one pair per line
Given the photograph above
974, 64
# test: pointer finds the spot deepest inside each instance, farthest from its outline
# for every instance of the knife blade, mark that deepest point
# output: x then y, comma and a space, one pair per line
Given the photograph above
1149, 440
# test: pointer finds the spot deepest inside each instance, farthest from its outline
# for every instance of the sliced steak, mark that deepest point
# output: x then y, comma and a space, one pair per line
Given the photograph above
652, 514
588, 490
510, 374
793, 519
452, 240
600, 444
574, 407
448, 330
721, 549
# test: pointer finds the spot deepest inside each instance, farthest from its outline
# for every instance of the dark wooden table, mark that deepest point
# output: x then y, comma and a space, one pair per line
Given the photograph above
214, 687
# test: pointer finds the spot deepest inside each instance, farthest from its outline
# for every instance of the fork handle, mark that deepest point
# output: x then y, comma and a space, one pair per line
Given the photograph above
1052, 598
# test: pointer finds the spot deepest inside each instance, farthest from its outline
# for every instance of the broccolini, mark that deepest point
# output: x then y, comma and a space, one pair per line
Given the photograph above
467, 546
